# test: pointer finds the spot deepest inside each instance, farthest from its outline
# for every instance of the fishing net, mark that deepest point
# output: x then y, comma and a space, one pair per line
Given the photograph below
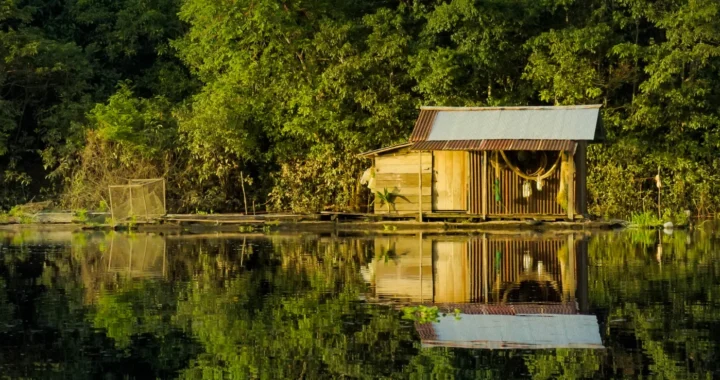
140, 199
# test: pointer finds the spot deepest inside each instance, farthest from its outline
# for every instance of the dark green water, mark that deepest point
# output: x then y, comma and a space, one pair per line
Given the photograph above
76, 306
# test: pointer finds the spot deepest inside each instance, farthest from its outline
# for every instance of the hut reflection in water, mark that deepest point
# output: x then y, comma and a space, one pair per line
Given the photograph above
508, 291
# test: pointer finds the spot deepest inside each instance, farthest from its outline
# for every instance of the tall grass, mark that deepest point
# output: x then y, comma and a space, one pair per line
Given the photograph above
645, 219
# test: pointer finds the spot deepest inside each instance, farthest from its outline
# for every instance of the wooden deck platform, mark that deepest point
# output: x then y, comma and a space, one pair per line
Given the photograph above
330, 221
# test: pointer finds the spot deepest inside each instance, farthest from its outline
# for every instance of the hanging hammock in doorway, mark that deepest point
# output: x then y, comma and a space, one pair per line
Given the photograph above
539, 176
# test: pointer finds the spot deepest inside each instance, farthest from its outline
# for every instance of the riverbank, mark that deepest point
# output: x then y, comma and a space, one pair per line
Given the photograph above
327, 222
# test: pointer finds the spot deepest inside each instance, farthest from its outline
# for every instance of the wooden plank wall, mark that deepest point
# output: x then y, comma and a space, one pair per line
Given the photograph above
504, 268
542, 202
450, 182
475, 188
398, 173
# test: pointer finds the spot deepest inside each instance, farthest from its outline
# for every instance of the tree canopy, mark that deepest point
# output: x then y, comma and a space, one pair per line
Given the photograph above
279, 97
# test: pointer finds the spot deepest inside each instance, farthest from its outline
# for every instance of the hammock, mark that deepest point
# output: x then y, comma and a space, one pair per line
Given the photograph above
520, 174
540, 177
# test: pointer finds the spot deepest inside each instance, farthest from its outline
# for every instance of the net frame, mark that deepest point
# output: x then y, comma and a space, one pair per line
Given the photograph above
141, 199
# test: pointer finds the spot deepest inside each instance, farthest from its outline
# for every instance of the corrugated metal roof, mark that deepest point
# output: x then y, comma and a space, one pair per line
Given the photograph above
513, 123
384, 150
429, 145
447, 145
505, 144
423, 125
532, 331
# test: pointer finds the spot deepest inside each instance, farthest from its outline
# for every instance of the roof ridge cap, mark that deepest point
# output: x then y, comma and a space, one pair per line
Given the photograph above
510, 108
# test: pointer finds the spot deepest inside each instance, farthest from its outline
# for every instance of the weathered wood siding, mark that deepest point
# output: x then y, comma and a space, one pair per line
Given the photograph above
450, 180
398, 173
475, 193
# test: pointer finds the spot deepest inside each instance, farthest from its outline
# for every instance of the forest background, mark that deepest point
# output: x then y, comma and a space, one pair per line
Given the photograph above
278, 96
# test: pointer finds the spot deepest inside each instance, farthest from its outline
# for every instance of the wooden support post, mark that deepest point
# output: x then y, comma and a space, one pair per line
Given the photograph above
571, 188
581, 262
420, 246
468, 194
484, 184
164, 197
659, 187
568, 271
581, 180
112, 243
112, 209
485, 272
143, 189
242, 183
132, 211
132, 248
420, 193
164, 265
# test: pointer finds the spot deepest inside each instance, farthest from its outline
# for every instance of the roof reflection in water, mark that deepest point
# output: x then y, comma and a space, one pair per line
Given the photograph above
491, 291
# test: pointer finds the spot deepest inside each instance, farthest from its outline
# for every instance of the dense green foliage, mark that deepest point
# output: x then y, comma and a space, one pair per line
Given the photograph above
281, 96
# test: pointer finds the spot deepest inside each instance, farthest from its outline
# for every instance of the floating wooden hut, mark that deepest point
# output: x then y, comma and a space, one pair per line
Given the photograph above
489, 162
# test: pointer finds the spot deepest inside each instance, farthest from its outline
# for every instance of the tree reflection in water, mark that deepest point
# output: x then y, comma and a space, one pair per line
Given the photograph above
307, 306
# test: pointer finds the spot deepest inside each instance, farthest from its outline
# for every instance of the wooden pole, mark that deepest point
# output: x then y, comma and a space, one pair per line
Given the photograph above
112, 209
484, 184
485, 273
420, 194
164, 265
420, 245
242, 183
132, 212
467, 182
581, 262
568, 271
164, 197
658, 183
144, 192
132, 248
112, 243
581, 181
571, 187
242, 253
371, 197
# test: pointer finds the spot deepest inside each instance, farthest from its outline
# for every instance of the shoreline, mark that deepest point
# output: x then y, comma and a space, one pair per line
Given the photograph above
309, 223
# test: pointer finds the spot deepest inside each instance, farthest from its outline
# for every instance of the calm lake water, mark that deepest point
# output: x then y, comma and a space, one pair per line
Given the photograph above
109, 305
